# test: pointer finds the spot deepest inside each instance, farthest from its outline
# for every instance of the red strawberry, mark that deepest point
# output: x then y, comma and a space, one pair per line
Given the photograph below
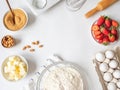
105, 31
105, 41
100, 41
112, 38
101, 20
97, 33
115, 23
95, 27
116, 36
107, 22
113, 31
99, 37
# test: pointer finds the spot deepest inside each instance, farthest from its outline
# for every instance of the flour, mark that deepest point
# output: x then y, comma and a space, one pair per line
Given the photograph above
63, 78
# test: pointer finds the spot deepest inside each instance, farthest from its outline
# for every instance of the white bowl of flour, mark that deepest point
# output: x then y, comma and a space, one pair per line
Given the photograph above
61, 76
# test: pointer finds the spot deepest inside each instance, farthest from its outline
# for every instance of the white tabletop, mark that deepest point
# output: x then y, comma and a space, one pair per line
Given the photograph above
62, 32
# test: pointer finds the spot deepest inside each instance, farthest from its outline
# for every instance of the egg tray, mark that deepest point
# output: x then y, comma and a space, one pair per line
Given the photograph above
106, 85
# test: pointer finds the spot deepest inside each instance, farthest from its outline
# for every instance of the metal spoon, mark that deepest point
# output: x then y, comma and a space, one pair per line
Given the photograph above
11, 11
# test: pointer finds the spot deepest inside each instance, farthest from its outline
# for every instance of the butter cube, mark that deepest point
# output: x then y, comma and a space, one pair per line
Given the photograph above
16, 58
11, 76
6, 69
22, 72
9, 64
11, 58
16, 62
22, 64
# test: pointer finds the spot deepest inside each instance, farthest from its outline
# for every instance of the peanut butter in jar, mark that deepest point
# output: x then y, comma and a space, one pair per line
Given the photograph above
16, 22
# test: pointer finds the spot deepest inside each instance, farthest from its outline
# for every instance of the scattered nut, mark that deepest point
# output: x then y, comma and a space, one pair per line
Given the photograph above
32, 50
24, 48
37, 42
8, 41
40, 46
33, 43
28, 46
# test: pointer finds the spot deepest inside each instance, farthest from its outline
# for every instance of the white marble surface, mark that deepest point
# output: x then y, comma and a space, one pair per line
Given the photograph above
63, 32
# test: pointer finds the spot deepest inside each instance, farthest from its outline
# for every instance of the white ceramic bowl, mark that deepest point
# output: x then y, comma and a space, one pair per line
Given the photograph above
110, 43
6, 60
24, 24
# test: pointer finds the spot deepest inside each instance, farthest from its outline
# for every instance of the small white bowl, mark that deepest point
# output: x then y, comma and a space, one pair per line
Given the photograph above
24, 24
6, 60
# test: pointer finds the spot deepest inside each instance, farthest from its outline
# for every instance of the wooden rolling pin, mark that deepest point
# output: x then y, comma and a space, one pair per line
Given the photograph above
100, 6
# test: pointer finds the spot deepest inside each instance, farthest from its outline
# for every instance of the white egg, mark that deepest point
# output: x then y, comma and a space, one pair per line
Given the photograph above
100, 57
109, 54
111, 86
103, 67
118, 84
107, 77
113, 64
116, 74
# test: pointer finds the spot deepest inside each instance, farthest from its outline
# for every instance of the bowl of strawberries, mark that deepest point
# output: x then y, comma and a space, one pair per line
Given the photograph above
105, 30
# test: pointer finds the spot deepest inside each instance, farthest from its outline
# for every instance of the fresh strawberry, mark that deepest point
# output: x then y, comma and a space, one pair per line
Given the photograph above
116, 36
114, 31
99, 37
100, 41
107, 22
105, 41
97, 33
95, 27
101, 20
115, 23
112, 38
105, 31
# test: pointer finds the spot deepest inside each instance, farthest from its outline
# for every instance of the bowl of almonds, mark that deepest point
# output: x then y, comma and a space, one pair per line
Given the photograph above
8, 41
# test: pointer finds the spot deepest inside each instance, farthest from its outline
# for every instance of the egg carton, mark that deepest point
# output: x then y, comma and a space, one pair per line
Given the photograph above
107, 65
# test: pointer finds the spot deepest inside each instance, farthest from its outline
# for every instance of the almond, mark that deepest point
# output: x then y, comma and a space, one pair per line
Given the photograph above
32, 50
33, 43
28, 46
24, 48
40, 46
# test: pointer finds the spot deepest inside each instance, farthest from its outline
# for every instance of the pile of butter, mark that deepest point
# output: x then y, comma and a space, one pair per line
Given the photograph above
15, 68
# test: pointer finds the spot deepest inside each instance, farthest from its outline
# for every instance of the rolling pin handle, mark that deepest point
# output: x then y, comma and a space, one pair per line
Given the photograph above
91, 12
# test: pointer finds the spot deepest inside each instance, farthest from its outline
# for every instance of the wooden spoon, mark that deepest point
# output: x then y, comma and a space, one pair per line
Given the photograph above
11, 11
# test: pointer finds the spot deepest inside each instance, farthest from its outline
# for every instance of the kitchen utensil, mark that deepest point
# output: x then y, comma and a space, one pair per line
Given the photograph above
11, 11
100, 6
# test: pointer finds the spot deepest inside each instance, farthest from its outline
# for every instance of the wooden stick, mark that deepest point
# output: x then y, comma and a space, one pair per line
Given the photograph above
103, 4
91, 12
11, 10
